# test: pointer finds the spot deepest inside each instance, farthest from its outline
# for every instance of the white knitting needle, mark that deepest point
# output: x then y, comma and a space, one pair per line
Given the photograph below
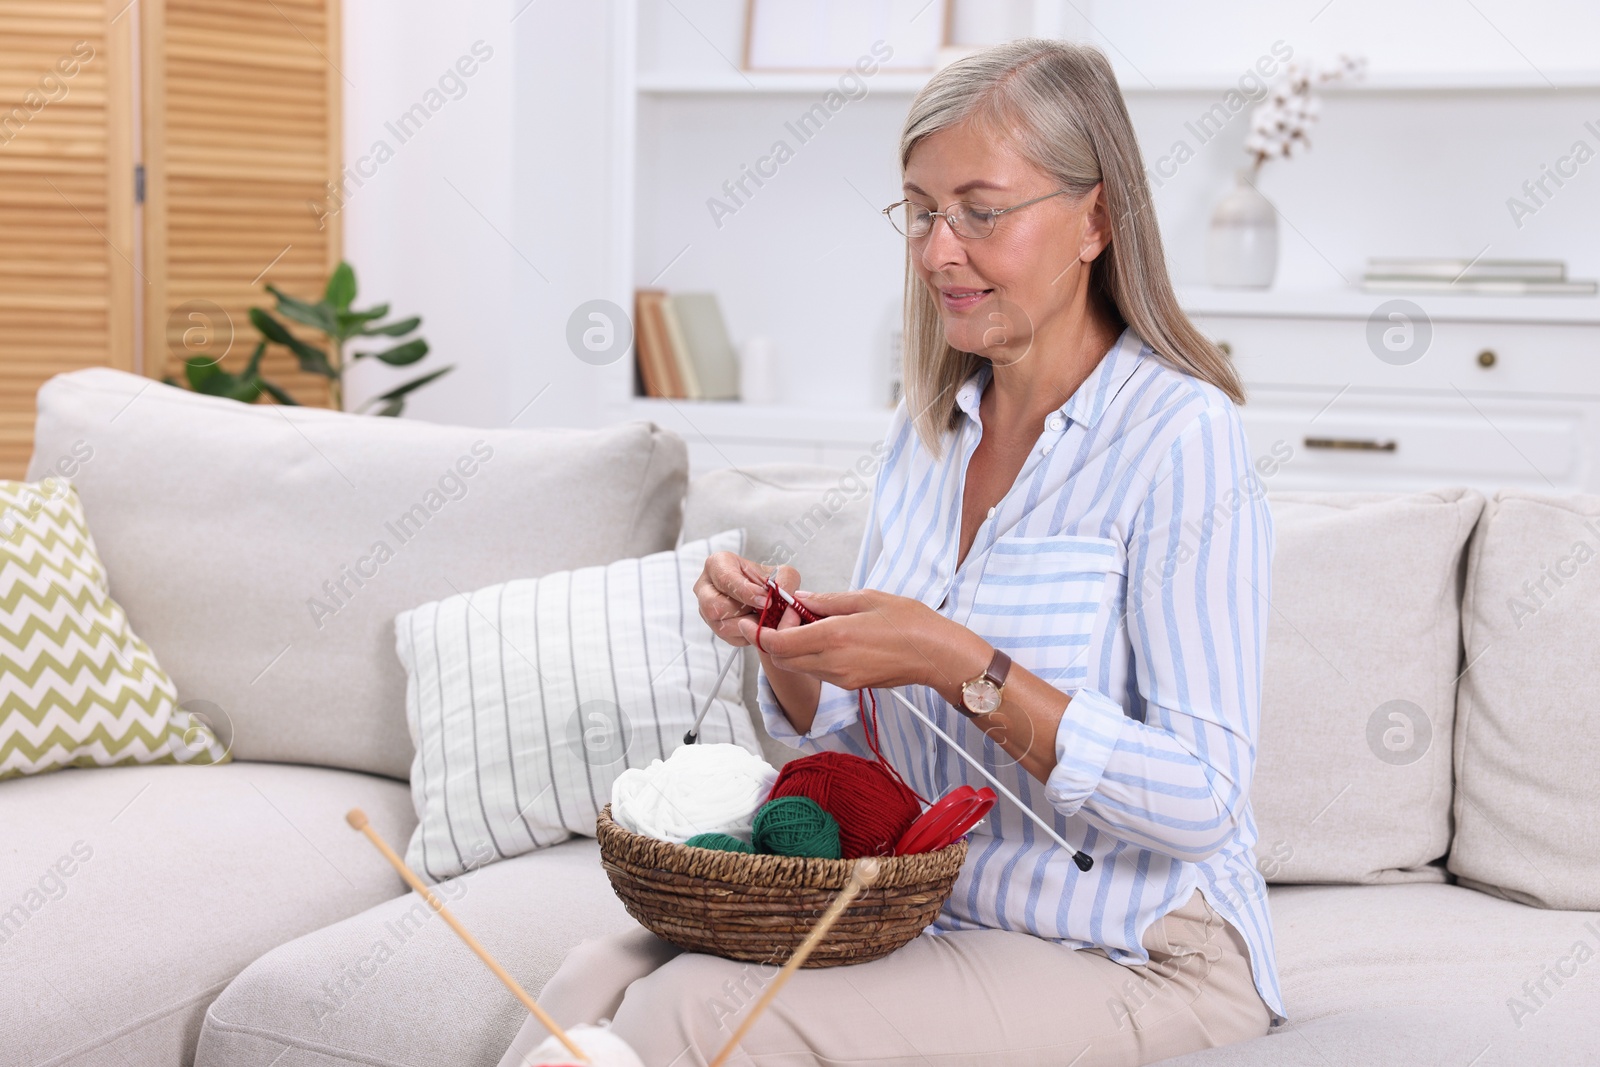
693, 736
1082, 859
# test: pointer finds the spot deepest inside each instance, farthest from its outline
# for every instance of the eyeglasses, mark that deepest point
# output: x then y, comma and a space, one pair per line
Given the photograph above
966, 219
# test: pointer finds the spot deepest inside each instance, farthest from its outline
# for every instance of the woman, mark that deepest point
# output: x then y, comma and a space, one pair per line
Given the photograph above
1066, 486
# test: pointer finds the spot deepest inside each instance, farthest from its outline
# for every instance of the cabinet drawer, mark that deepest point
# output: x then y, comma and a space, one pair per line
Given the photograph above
1542, 359
1367, 441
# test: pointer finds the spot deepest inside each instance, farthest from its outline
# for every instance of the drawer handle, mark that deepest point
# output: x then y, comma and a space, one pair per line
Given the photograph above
1351, 444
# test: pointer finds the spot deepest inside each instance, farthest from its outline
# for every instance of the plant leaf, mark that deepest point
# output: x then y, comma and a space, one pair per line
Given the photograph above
402, 354
244, 390
312, 359
200, 370
415, 383
317, 316
278, 394
392, 407
212, 380
253, 368
351, 323
393, 329
341, 287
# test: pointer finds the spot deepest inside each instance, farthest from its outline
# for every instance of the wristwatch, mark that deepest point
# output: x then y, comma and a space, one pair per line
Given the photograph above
981, 695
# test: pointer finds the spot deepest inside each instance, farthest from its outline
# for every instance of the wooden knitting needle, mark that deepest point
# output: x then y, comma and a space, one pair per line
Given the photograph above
862, 875
358, 819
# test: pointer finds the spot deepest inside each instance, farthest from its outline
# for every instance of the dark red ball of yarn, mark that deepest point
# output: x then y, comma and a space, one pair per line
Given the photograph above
872, 808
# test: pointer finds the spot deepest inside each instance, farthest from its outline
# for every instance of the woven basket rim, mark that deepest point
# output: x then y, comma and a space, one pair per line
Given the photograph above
744, 868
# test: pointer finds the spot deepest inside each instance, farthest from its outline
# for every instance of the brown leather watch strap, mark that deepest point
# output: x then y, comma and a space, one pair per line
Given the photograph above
999, 665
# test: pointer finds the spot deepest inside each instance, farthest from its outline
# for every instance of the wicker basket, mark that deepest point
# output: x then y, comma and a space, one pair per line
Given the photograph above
759, 908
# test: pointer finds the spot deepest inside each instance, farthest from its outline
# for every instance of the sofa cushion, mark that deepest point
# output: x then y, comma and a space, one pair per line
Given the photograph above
394, 985
808, 516
529, 698
1352, 779
1440, 974
1527, 821
263, 551
130, 896
78, 688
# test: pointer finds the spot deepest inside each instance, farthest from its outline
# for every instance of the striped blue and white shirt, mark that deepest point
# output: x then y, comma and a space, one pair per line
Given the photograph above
1128, 566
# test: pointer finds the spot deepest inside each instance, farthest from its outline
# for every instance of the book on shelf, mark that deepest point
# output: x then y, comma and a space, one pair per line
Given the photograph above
682, 361
682, 348
1447, 269
1480, 286
706, 345
652, 347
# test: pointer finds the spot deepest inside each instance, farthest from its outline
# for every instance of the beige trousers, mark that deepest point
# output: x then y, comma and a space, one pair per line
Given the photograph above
966, 997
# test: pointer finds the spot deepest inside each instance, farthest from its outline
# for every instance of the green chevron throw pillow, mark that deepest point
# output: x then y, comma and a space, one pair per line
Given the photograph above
77, 686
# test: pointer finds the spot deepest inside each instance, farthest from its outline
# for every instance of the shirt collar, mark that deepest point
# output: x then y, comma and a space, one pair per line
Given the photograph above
1089, 402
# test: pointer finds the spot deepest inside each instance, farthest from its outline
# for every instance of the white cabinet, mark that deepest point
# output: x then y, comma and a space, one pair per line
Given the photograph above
1505, 392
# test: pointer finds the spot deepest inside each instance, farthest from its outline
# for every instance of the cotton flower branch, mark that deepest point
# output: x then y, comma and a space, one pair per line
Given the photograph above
1280, 126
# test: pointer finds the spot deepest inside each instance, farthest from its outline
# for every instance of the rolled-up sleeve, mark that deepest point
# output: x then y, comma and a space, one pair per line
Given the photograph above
836, 709
1199, 559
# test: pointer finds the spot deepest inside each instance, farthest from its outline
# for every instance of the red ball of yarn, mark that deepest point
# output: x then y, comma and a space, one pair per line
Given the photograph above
872, 808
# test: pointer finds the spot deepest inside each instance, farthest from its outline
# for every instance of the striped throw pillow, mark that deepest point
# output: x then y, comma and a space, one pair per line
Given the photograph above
78, 688
528, 698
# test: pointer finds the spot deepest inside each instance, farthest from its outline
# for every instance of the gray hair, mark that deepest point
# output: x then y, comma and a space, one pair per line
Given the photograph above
1059, 104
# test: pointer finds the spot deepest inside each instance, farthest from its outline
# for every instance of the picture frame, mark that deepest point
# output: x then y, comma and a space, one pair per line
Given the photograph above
830, 36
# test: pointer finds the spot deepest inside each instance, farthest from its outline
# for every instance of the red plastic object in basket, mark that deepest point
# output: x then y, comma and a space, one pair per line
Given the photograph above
946, 821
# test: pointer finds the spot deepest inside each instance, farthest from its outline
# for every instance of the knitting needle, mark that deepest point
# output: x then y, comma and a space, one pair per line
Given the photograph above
1082, 859
862, 875
693, 736
358, 819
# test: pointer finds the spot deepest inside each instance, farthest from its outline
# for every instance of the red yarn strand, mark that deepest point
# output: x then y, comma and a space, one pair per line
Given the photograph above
869, 799
869, 727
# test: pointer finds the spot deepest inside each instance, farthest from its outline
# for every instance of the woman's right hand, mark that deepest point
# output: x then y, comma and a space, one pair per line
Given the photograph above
731, 588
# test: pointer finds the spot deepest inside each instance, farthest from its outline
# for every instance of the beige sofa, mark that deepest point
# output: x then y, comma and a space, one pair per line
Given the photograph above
1428, 733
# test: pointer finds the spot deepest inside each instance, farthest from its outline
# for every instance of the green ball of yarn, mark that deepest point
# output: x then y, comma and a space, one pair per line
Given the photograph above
796, 826
719, 843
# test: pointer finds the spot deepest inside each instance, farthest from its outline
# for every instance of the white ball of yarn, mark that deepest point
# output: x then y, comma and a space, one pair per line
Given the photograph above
603, 1048
699, 789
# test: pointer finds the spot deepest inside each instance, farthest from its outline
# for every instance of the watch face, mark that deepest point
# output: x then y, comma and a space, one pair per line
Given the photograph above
980, 696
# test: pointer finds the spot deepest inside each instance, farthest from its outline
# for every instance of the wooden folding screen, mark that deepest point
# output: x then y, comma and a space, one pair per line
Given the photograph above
67, 257
241, 107
240, 103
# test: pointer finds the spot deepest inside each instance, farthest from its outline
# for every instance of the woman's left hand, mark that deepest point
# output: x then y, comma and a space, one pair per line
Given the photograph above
870, 638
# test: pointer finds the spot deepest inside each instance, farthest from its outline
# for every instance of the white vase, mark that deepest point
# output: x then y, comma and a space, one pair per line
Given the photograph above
758, 371
1242, 246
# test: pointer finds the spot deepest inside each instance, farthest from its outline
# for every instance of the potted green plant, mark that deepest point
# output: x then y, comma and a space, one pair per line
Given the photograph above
339, 325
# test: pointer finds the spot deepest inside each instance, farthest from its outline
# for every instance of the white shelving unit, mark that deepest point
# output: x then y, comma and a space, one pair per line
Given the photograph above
804, 260
1505, 391
663, 83
681, 134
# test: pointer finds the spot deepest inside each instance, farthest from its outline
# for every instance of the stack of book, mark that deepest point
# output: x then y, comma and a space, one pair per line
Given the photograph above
682, 347
1491, 277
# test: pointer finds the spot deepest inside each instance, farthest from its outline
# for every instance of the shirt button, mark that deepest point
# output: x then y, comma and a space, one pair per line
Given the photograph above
991, 513
1056, 422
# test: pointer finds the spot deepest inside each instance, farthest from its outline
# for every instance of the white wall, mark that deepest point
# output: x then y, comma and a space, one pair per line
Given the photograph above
421, 232
492, 223
530, 146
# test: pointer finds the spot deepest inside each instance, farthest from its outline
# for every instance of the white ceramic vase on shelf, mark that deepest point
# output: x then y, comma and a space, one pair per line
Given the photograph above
1242, 246
758, 371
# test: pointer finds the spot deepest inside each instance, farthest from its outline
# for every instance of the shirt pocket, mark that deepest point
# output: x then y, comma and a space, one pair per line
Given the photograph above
1040, 598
